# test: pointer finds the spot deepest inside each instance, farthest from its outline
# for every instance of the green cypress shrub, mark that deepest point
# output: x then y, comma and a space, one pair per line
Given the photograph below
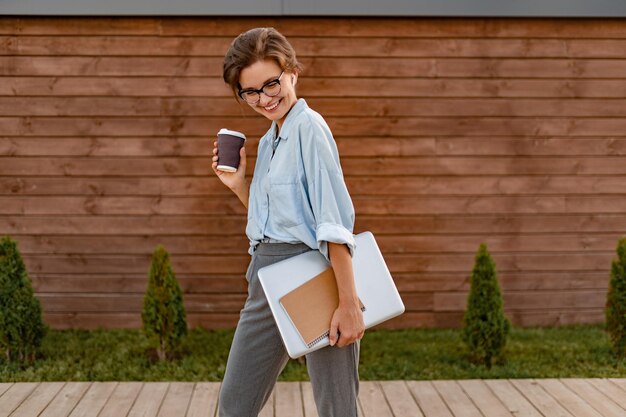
21, 324
616, 302
163, 315
486, 326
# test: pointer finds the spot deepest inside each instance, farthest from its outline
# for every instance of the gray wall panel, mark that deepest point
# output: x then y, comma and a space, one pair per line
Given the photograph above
494, 8
142, 7
504, 8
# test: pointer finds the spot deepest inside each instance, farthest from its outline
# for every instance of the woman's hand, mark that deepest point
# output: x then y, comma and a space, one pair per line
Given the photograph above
236, 181
232, 180
347, 324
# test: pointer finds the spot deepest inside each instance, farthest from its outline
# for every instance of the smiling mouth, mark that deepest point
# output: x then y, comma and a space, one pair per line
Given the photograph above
273, 107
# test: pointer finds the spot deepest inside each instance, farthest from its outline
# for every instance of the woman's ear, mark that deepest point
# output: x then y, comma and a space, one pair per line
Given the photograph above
294, 78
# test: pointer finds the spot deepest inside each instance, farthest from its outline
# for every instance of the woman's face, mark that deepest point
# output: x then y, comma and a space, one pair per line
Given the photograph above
257, 76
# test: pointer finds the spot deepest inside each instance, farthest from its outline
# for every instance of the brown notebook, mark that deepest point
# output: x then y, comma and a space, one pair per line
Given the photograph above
311, 306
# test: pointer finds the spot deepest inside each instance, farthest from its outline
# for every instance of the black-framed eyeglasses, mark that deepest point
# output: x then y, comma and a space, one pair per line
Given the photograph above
270, 89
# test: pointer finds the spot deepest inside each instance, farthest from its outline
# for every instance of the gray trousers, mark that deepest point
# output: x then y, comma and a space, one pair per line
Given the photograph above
257, 355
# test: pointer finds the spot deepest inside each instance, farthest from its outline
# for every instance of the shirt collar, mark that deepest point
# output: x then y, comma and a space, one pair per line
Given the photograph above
297, 108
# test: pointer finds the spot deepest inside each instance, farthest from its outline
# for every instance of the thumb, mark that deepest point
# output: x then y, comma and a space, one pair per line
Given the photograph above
333, 336
242, 157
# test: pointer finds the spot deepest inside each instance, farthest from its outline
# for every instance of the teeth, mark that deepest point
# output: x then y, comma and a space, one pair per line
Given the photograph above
273, 107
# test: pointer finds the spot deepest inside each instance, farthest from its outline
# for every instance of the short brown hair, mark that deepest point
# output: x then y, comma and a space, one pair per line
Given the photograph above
257, 44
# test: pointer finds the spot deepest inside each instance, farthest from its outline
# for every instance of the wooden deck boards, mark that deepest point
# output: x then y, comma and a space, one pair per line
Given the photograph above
571, 397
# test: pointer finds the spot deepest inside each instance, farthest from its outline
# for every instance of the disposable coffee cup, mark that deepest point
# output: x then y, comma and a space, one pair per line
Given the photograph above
229, 143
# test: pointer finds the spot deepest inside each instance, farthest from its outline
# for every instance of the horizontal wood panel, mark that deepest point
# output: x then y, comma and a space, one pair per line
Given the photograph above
194, 303
542, 317
135, 264
524, 318
479, 205
560, 317
407, 282
211, 86
98, 85
221, 226
406, 320
496, 165
482, 185
379, 225
529, 300
387, 67
136, 283
110, 66
517, 242
232, 303
124, 126
430, 27
454, 126
414, 186
492, 107
399, 206
403, 166
85, 244
216, 46
118, 106
423, 243
526, 146
120, 205
461, 67
492, 204
105, 146
60, 320
342, 126
116, 264
443, 87
330, 107
348, 147
204, 303
427, 281
410, 319
189, 186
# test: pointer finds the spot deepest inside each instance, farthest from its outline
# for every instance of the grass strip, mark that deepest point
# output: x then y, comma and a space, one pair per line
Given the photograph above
417, 354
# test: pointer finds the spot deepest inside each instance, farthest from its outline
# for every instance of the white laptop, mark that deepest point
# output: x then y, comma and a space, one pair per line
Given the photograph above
374, 286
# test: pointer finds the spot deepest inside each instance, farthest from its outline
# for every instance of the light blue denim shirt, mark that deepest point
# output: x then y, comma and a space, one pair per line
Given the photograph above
298, 193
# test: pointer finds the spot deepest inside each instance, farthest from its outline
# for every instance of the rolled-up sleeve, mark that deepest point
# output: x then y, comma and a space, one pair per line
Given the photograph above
328, 195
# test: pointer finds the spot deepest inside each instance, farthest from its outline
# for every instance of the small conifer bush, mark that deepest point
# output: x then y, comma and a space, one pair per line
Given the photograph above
163, 315
616, 302
485, 325
21, 324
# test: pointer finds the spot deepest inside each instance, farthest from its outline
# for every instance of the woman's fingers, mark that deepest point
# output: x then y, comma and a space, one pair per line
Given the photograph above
215, 157
334, 334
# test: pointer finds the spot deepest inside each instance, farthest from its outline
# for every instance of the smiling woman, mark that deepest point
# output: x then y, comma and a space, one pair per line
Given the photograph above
298, 201
274, 99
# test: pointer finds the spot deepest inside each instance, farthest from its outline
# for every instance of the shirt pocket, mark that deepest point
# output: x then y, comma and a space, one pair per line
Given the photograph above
285, 198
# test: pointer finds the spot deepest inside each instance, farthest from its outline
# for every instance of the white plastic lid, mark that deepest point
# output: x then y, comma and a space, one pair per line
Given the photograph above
232, 133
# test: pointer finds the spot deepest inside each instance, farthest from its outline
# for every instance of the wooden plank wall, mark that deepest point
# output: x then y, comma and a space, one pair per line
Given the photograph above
452, 132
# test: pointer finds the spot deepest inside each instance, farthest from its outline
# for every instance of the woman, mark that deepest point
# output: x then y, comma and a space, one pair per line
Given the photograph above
297, 201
